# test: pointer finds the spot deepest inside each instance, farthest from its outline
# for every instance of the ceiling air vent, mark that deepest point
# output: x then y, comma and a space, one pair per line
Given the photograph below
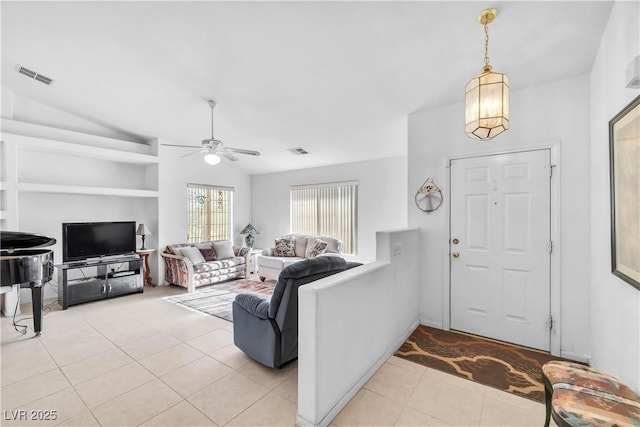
298, 151
27, 72
32, 74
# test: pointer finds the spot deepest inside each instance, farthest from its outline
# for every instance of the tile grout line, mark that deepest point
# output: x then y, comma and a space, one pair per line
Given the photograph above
58, 368
128, 356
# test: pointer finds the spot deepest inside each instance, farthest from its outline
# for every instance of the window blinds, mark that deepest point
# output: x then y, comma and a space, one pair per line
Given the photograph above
328, 209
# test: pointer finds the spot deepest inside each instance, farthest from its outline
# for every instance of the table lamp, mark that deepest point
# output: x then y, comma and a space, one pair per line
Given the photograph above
250, 230
142, 230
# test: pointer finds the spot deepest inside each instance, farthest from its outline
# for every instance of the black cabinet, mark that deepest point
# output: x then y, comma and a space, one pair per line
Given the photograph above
99, 279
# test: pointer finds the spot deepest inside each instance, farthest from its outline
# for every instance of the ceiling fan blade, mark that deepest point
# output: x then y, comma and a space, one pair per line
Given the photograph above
177, 145
195, 152
230, 157
242, 151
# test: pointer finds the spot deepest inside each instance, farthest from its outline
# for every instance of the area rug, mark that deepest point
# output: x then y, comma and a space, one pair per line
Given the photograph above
506, 367
216, 299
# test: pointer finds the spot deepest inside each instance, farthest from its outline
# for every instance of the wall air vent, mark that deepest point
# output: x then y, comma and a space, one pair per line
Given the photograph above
298, 151
34, 75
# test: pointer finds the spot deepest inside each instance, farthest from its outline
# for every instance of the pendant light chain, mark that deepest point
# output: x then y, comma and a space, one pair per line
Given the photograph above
486, 44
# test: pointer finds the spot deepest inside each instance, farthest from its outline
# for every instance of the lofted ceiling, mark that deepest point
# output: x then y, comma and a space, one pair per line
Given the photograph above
336, 78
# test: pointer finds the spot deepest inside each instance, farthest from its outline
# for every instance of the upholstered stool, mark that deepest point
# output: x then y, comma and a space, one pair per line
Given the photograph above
580, 396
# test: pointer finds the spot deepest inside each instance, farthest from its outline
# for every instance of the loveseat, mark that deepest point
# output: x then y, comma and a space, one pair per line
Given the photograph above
198, 264
294, 248
267, 329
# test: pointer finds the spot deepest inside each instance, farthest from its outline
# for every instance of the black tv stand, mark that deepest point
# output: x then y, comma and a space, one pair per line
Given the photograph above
108, 277
75, 264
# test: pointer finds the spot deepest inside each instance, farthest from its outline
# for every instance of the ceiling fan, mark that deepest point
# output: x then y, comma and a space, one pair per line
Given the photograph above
215, 148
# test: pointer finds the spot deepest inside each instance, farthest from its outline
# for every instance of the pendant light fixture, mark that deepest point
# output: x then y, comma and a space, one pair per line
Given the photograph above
487, 96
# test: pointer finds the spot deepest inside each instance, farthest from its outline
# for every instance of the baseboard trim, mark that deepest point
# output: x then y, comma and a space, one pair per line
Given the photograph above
577, 357
427, 322
302, 422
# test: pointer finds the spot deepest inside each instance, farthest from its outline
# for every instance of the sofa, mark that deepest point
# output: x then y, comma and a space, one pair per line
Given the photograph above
294, 248
191, 265
267, 329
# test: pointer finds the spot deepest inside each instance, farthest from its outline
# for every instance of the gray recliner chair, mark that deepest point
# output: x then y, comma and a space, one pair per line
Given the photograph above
267, 330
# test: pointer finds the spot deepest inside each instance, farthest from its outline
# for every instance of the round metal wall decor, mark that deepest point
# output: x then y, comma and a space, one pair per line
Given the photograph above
428, 197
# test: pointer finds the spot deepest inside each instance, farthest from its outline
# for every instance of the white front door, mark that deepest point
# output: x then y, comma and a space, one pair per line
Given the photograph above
500, 247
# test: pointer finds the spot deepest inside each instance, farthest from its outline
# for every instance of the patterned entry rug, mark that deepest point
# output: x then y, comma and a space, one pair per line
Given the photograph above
506, 367
216, 299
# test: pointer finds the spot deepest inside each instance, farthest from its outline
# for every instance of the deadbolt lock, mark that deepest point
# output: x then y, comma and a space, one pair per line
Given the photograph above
455, 254
455, 241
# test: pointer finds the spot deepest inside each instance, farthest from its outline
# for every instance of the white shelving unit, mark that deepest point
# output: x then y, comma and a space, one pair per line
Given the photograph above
49, 176
21, 138
80, 150
78, 189
43, 160
3, 212
73, 141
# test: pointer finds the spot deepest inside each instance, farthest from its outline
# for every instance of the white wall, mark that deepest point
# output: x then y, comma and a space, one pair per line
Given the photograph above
176, 173
342, 342
382, 205
43, 213
615, 305
557, 111
24, 109
166, 215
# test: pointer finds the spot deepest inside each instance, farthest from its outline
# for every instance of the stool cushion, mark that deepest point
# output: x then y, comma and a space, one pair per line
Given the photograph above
584, 396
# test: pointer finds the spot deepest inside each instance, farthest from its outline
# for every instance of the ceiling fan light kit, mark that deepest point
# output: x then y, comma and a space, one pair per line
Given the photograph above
487, 96
214, 148
212, 159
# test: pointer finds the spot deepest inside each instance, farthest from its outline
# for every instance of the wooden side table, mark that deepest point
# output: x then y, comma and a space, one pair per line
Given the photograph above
144, 254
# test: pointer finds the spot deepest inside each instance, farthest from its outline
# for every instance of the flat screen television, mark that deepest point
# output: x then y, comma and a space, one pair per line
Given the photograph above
85, 240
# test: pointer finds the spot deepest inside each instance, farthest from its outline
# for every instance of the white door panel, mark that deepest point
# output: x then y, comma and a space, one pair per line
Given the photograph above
500, 214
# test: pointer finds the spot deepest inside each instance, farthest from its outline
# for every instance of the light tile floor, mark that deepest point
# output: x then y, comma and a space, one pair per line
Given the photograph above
138, 360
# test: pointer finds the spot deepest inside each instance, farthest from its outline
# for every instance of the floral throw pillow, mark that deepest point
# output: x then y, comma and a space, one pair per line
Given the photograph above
316, 248
285, 247
209, 254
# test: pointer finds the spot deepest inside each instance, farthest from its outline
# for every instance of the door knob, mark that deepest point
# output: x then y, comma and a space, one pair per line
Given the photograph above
455, 254
455, 241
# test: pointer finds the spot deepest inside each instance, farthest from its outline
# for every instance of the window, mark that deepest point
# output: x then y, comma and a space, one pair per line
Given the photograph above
209, 213
329, 209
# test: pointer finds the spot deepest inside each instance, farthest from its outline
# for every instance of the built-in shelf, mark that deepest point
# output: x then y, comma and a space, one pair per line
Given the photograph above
50, 133
80, 150
78, 189
27, 137
87, 169
3, 213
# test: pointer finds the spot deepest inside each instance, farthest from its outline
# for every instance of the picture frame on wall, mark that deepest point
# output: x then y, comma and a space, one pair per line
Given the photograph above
624, 158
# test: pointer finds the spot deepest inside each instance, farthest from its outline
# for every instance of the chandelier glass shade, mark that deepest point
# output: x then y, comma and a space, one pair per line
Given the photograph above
487, 96
487, 105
